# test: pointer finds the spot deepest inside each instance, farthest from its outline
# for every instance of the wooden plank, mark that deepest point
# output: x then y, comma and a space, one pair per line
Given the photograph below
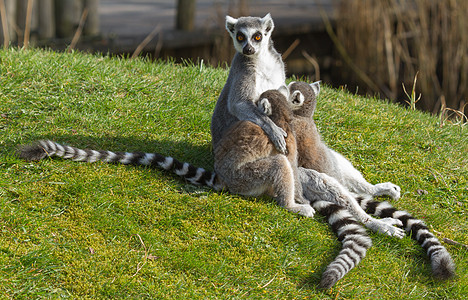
46, 19
67, 15
185, 15
92, 22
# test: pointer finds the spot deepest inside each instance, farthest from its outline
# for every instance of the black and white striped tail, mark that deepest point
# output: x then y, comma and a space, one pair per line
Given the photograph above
46, 148
442, 264
351, 234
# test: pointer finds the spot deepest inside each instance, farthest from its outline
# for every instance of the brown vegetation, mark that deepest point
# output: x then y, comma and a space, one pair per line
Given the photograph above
391, 41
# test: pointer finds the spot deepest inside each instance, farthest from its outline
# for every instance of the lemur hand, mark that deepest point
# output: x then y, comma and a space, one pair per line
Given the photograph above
277, 135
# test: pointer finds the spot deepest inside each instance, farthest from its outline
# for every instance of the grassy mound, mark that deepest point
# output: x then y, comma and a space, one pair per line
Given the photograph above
98, 230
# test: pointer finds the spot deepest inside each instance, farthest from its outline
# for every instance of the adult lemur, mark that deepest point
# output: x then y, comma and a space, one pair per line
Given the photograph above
255, 68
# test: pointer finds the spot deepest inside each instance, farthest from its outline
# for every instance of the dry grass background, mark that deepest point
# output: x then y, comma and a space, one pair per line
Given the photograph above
391, 41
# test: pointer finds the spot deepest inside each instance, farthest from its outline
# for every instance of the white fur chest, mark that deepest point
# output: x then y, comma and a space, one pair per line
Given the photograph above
269, 74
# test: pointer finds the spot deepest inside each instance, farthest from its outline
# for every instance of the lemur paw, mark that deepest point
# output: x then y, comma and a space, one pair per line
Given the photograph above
277, 136
389, 189
387, 226
392, 221
303, 209
309, 212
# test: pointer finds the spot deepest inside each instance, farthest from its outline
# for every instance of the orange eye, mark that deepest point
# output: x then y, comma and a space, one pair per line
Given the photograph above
258, 37
240, 38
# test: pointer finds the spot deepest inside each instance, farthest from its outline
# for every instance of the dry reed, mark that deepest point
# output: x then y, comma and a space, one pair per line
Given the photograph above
3, 15
391, 41
79, 30
27, 25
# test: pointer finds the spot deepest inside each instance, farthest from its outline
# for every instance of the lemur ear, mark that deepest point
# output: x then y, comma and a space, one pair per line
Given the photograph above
297, 98
316, 87
291, 83
264, 106
230, 23
284, 90
267, 22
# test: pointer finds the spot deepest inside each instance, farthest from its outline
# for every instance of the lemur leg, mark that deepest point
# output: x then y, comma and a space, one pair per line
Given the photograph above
353, 180
273, 176
319, 186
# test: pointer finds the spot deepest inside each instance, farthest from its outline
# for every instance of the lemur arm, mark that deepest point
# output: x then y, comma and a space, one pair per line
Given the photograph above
245, 109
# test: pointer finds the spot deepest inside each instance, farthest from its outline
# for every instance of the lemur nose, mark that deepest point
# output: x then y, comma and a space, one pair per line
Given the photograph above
248, 50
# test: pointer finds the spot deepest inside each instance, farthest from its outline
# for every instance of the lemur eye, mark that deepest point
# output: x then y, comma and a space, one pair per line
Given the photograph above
240, 37
258, 37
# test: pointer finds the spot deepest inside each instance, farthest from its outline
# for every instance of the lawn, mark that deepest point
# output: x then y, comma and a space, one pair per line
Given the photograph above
81, 230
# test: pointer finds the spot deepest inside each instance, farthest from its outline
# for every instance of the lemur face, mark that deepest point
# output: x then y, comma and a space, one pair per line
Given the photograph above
250, 34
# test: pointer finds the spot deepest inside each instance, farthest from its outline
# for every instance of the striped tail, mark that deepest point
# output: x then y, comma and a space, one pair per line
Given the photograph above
46, 148
350, 233
442, 264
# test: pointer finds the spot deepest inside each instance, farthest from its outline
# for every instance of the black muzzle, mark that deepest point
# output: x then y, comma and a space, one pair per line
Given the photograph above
248, 50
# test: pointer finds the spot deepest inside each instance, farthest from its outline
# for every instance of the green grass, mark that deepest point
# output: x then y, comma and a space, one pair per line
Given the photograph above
108, 231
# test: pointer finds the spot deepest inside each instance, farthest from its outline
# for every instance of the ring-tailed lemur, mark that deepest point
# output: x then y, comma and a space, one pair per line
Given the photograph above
314, 154
339, 175
255, 68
